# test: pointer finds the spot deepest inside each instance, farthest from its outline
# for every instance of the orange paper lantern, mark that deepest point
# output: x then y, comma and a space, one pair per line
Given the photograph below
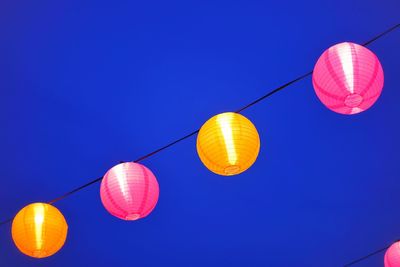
39, 230
228, 144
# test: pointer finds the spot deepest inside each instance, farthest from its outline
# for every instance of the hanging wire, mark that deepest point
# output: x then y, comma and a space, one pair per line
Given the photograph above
137, 160
368, 256
279, 88
275, 91
267, 95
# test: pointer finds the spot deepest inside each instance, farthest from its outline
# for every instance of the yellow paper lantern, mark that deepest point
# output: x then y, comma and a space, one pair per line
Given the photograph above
228, 144
39, 230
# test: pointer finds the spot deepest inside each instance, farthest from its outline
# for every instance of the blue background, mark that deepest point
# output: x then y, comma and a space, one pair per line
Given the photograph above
86, 84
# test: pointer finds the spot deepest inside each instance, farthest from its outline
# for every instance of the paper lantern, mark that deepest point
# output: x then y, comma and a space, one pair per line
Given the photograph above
392, 255
348, 78
228, 144
129, 191
39, 230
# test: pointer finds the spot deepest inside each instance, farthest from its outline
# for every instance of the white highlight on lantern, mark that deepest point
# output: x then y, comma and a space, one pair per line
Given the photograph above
346, 59
123, 185
226, 129
39, 219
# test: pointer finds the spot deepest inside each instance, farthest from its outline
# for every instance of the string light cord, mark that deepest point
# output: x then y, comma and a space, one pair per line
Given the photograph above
137, 160
180, 139
368, 256
267, 95
256, 101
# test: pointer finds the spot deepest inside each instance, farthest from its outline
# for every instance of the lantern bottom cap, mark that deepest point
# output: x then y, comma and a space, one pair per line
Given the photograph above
353, 100
39, 254
232, 170
132, 217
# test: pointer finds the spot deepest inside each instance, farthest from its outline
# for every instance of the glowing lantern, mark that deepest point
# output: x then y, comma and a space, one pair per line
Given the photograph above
392, 256
39, 230
129, 191
348, 78
228, 144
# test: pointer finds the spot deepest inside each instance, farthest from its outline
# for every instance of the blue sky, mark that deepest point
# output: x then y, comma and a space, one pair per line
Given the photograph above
86, 84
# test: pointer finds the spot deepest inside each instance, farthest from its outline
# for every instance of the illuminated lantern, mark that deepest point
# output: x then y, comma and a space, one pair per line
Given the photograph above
228, 144
392, 256
129, 191
348, 78
39, 230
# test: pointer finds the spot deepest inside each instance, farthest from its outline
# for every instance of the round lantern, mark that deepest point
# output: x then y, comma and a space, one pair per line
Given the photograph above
129, 191
392, 255
228, 144
39, 230
348, 78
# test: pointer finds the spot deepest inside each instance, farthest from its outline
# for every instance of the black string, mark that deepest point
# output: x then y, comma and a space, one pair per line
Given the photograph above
75, 190
367, 256
166, 146
309, 73
238, 111
195, 132
275, 91
183, 138
137, 160
381, 35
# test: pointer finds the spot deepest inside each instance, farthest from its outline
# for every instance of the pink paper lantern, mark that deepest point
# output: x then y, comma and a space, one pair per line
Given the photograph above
348, 78
392, 255
129, 191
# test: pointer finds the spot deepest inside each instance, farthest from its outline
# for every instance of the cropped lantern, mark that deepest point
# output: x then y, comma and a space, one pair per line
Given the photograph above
348, 78
39, 230
129, 191
392, 255
228, 144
